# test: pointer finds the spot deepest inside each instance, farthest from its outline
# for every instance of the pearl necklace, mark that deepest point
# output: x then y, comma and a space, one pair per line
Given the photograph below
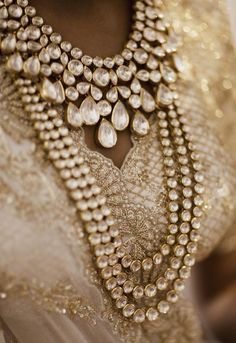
48, 73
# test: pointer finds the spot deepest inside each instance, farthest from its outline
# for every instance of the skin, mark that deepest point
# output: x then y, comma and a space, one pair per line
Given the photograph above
100, 28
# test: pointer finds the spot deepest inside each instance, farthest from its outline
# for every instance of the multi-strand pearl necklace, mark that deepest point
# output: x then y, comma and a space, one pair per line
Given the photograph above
49, 74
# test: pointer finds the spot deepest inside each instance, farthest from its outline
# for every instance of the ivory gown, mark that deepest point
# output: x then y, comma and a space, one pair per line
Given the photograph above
48, 287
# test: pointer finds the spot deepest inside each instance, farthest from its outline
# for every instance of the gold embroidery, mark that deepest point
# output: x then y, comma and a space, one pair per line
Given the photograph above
214, 76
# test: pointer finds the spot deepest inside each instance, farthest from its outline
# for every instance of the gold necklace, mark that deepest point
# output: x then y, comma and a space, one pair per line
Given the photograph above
49, 74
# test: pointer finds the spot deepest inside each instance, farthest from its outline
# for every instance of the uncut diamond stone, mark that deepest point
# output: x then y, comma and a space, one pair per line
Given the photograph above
112, 94
87, 60
54, 51
149, 34
132, 45
89, 112
68, 78
88, 74
107, 136
124, 91
152, 62
143, 75
15, 63
160, 25
60, 92
148, 102
48, 90
135, 101
74, 116
98, 61
152, 13
155, 76
109, 62
72, 93
146, 46
135, 86
104, 108
164, 95
141, 56
32, 66
132, 67
161, 38
113, 77
168, 74
120, 117
140, 124
159, 52
75, 67
179, 64
101, 77
124, 73
83, 87
96, 93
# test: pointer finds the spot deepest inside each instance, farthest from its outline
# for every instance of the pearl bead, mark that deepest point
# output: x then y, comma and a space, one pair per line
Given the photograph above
121, 278
189, 260
194, 236
117, 269
95, 238
185, 228
183, 239
99, 250
192, 247
173, 228
152, 314
157, 259
175, 262
163, 307
102, 262
117, 292
172, 297
165, 249
138, 292
196, 223
135, 266
126, 261
179, 285
121, 302
150, 290
111, 283
91, 227
179, 250
184, 272
147, 264
128, 286
139, 316
128, 310
113, 259
106, 273
161, 284
170, 274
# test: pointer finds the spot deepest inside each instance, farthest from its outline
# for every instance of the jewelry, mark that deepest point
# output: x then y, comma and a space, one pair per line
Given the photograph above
45, 78
103, 92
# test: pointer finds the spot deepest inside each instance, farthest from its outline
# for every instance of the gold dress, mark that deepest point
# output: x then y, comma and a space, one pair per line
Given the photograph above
49, 288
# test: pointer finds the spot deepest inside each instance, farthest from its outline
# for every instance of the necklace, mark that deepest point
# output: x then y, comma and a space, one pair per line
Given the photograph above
49, 74
103, 92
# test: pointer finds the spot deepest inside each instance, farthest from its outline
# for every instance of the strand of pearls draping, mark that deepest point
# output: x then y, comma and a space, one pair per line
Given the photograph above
183, 208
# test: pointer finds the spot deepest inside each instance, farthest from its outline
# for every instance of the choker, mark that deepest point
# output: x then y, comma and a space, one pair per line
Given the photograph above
112, 94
